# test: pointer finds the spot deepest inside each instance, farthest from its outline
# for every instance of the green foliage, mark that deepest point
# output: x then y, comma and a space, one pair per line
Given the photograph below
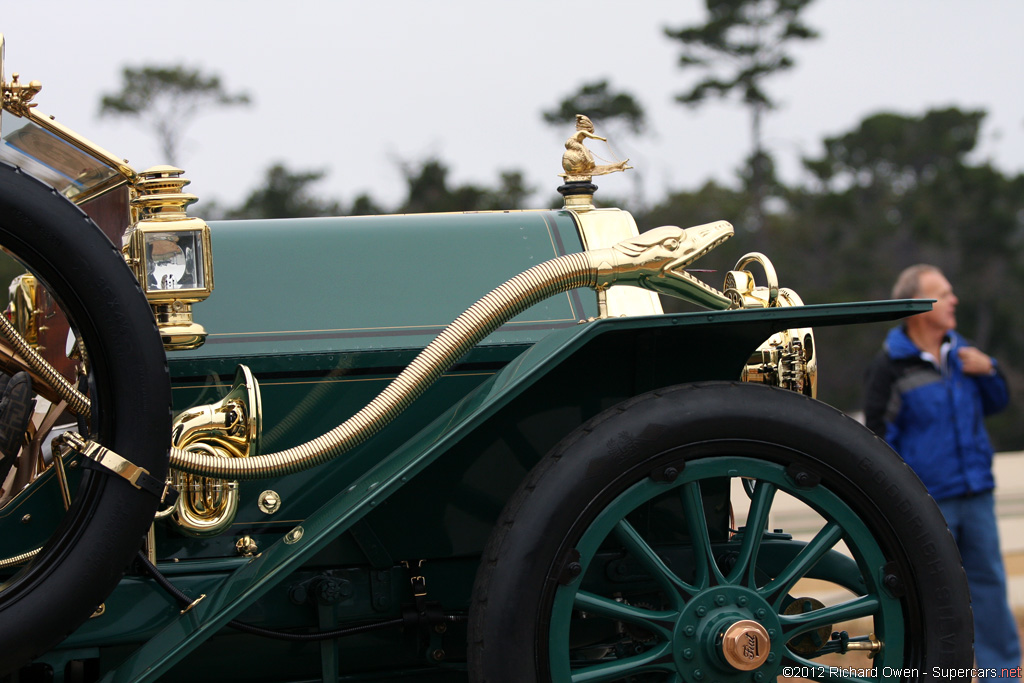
898, 151
166, 99
739, 46
712, 202
898, 190
286, 194
364, 205
597, 101
429, 191
742, 43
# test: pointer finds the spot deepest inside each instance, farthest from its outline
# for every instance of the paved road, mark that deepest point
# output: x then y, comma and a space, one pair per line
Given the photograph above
1009, 471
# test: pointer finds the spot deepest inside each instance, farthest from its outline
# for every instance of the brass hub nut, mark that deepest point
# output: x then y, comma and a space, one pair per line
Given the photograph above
745, 645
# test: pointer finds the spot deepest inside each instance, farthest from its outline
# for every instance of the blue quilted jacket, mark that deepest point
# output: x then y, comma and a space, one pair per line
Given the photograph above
934, 417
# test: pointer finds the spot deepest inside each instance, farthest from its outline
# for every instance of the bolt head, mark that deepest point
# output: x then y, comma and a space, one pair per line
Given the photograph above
246, 546
269, 502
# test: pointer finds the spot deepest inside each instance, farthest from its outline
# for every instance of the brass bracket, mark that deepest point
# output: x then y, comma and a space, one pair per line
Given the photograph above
192, 604
17, 97
417, 580
139, 477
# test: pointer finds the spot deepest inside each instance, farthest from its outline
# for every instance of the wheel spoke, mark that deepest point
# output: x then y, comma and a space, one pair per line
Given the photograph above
863, 606
659, 622
808, 556
757, 519
657, 659
671, 584
705, 567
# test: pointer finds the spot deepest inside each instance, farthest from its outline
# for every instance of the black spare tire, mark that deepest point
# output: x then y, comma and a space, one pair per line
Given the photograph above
88, 548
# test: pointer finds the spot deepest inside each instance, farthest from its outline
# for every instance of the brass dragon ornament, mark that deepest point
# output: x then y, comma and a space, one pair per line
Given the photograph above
655, 260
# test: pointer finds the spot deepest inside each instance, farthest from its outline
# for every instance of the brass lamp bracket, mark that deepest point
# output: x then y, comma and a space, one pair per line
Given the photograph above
139, 477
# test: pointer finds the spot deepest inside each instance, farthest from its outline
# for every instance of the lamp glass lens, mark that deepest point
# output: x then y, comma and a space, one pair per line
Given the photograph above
174, 260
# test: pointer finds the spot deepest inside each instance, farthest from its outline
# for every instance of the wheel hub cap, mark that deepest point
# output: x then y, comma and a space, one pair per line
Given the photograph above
745, 645
727, 633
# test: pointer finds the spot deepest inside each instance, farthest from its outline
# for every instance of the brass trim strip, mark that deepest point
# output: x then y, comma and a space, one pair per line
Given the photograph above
49, 123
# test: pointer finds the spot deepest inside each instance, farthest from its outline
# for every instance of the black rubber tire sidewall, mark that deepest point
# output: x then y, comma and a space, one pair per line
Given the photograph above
85, 558
559, 499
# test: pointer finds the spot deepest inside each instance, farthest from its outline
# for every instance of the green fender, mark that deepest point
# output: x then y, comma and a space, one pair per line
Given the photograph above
678, 348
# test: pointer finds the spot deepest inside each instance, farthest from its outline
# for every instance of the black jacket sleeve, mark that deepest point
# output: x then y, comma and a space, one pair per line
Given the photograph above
878, 390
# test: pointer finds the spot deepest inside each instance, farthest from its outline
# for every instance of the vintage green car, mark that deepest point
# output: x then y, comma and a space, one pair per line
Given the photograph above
313, 476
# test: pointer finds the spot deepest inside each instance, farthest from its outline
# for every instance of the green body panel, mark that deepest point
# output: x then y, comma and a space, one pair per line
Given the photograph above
327, 311
344, 284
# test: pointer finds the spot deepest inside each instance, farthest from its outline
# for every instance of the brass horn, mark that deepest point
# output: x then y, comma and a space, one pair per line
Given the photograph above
229, 428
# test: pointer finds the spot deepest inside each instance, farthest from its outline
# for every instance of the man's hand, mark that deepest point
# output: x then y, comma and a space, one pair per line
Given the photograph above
974, 361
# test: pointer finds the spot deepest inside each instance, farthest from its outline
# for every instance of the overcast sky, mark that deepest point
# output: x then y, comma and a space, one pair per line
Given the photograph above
356, 88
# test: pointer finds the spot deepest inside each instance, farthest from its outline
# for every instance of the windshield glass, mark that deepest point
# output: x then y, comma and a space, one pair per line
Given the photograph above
47, 157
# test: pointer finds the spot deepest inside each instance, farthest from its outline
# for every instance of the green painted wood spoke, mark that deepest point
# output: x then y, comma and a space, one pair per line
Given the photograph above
757, 520
639, 549
808, 556
705, 567
657, 659
658, 622
863, 606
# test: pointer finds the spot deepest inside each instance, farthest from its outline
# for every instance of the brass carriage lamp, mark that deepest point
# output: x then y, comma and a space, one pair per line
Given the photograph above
170, 253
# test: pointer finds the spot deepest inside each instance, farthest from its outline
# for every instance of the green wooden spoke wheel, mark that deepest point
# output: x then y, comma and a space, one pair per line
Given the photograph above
651, 545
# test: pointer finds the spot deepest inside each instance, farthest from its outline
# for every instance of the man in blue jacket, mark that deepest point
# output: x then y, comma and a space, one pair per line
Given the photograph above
928, 392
